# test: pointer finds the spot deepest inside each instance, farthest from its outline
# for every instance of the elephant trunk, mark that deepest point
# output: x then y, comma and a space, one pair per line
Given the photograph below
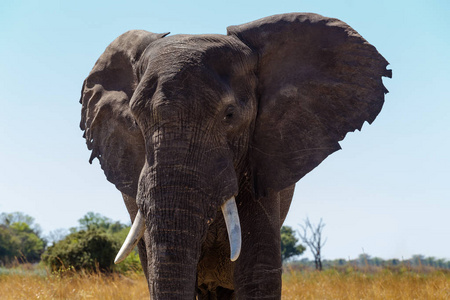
173, 258
182, 281
178, 203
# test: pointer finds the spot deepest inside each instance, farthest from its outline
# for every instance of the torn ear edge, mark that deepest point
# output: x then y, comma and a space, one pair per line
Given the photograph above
109, 126
318, 80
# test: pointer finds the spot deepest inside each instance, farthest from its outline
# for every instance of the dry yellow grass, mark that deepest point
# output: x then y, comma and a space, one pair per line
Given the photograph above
381, 285
73, 286
296, 285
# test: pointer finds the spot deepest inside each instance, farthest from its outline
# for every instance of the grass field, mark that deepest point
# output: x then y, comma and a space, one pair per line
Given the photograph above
40, 284
382, 284
35, 283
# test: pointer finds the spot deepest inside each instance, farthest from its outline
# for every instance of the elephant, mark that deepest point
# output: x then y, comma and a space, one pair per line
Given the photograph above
206, 135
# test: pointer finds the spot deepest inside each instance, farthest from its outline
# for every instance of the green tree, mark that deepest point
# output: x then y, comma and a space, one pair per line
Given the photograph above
393, 262
93, 220
363, 259
289, 247
19, 238
8, 219
417, 260
9, 245
31, 245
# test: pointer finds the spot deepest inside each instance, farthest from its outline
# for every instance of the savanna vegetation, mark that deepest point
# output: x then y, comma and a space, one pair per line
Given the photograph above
34, 282
20, 238
353, 283
77, 264
89, 247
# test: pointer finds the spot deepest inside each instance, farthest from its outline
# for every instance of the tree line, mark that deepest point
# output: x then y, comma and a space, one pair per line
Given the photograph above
90, 246
93, 244
364, 261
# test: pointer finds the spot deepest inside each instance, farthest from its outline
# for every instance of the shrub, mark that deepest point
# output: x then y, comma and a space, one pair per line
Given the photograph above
91, 250
131, 264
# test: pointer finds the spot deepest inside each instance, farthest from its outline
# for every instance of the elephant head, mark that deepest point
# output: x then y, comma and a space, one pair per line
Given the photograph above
192, 125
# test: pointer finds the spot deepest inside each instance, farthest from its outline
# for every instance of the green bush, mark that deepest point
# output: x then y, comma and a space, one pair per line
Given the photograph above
132, 263
19, 241
91, 250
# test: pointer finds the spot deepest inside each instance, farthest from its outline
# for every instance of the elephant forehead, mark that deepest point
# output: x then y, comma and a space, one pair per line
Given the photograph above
196, 53
201, 68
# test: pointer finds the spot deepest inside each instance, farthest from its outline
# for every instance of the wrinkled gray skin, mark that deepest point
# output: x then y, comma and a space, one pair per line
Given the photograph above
182, 123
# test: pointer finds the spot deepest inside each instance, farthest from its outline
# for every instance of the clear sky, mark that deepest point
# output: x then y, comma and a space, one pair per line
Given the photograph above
387, 193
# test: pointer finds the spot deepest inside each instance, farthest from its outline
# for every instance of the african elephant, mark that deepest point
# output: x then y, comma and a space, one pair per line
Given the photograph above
187, 126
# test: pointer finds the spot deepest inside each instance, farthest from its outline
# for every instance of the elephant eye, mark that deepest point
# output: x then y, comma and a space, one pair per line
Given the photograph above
229, 116
229, 113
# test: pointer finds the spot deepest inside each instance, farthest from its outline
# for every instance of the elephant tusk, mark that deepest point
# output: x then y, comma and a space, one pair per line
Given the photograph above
231, 216
133, 237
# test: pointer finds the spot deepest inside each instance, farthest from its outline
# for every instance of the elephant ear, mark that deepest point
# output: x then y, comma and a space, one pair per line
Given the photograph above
318, 80
109, 127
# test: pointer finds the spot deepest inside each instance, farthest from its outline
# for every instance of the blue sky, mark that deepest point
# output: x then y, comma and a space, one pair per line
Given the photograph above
386, 193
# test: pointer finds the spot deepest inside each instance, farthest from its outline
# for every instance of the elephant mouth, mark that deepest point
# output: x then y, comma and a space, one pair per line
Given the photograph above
230, 214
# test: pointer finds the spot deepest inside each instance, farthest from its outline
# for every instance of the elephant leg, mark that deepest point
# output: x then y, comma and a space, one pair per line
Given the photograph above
258, 270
